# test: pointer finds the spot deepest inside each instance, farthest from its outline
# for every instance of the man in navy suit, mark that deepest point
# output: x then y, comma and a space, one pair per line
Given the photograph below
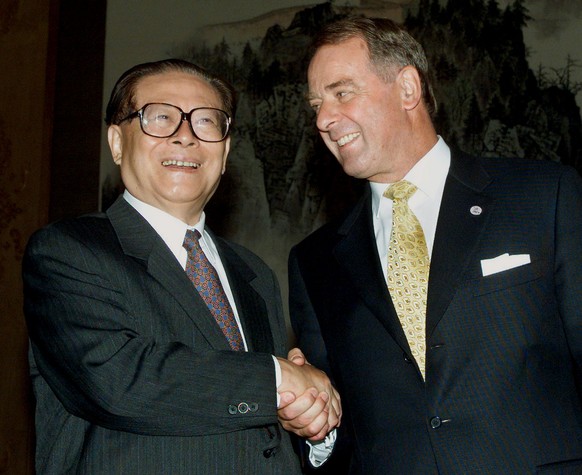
132, 373
496, 387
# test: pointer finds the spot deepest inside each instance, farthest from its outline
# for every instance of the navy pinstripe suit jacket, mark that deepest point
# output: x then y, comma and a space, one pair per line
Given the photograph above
131, 373
504, 351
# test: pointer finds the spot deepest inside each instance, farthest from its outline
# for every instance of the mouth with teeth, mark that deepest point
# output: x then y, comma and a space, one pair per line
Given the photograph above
347, 139
179, 163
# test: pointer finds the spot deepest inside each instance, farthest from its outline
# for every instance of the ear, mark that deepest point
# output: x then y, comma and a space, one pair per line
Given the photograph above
410, 87
225, 155
115, 139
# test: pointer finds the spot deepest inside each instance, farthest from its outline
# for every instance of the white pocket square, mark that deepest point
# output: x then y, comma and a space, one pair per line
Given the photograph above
503, 262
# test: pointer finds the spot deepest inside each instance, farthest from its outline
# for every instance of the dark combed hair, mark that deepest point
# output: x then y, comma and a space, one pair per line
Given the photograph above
122, 100
390, 48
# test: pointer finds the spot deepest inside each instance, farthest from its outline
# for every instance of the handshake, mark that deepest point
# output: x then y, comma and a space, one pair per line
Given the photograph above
309, 405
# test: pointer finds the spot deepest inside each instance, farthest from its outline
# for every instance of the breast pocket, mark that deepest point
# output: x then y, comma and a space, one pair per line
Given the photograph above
509, 278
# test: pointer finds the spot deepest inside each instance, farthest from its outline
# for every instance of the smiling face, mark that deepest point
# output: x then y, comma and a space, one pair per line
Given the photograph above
178, 174
365, 121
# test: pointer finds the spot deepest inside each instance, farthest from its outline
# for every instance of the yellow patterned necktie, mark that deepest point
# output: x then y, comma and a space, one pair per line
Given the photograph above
408, 269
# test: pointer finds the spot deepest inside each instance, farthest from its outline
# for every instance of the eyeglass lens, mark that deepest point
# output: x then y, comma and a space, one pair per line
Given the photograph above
163, 120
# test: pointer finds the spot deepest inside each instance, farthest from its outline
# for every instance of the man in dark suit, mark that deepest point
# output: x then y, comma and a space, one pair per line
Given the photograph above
487, 377
132, 371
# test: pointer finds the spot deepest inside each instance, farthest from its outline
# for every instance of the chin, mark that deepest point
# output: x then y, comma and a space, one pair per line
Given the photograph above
351, 168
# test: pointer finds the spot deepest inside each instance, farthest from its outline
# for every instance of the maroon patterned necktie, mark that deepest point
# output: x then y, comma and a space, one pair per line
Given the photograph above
205, 278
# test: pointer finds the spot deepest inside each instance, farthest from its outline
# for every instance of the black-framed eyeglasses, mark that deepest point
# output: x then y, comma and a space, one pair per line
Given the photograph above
163, 120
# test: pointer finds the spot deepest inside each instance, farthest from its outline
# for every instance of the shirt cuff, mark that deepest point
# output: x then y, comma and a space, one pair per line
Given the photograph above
278, 378
320, 451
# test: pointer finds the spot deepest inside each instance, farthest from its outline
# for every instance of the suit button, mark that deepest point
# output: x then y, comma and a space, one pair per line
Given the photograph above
232, 409
436, 422
268, 453
406, 358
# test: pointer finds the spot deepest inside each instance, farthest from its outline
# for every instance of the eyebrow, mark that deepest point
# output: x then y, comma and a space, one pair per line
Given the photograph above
332, 86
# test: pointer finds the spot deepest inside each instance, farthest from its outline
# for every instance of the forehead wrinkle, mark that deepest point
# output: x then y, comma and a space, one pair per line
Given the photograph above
333, 86
340, 83
173, 87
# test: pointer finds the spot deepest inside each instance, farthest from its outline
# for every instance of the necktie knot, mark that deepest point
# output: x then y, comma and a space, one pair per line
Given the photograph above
401, 190
191, 240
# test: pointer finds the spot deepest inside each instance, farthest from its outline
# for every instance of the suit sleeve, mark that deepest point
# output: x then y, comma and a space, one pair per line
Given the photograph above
303, 318
105, 365
568, 268
310, 340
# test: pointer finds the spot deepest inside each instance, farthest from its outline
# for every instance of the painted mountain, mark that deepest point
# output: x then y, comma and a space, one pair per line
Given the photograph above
281, 183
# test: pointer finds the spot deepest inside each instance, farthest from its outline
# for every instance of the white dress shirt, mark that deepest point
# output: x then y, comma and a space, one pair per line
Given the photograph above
429, 175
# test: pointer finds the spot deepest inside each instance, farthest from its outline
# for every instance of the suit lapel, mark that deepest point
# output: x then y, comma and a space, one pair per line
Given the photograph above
464, 212
139, 240
357, 254
251, 305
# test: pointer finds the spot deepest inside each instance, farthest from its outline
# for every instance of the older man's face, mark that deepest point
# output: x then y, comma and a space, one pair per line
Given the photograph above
177, 174
362, 119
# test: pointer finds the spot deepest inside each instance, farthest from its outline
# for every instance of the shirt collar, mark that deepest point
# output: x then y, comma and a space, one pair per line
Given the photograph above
171, 229
428, 174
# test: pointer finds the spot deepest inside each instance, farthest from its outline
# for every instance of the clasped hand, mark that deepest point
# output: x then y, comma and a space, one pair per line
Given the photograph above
309, 405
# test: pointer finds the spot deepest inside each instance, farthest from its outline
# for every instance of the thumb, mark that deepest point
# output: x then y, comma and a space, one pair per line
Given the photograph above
297, 357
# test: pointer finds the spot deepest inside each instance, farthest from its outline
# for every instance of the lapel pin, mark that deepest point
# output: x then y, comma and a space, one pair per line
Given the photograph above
476, 210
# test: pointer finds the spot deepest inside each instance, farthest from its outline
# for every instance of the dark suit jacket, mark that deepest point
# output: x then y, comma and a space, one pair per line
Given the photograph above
130, 371
504, 352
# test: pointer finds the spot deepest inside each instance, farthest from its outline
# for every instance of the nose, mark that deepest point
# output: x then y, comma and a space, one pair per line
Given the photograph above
184, 135
327, 116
